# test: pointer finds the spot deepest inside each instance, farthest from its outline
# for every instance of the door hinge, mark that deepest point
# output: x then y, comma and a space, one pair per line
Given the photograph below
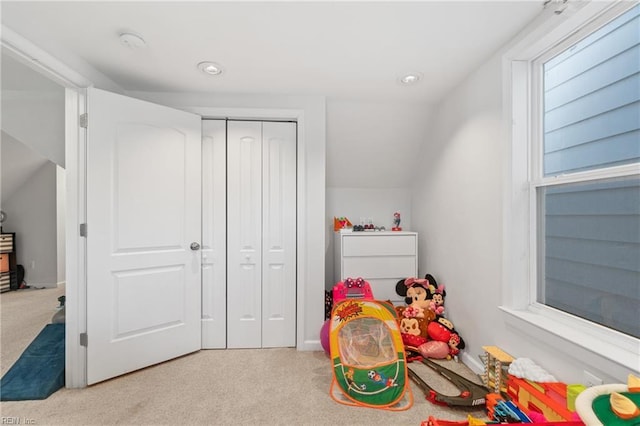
84, 120
84, 339
83, 230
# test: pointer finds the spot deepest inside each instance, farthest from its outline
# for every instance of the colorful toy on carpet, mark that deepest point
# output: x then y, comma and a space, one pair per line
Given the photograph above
505, 411
368, 357
324, 336
352, 288
532, 395
496, 363
413, 326
611, 405
425, 299
548, 399
471, 421
442, 330
471, 394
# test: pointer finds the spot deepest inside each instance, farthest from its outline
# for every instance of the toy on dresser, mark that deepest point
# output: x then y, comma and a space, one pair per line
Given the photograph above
396, 222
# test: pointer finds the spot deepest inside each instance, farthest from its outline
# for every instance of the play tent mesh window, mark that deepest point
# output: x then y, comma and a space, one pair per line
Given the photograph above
586, 176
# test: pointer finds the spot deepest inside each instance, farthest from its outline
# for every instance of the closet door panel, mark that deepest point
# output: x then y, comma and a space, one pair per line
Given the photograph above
244, 234
279, 234
214, 227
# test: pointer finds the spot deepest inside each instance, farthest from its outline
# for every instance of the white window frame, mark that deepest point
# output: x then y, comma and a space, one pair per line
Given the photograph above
547, 37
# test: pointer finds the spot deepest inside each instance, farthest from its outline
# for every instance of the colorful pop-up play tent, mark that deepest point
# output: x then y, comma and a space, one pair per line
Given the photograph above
368, 357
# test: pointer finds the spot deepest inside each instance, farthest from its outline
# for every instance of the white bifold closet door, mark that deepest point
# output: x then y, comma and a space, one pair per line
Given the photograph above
214, 234
260, 235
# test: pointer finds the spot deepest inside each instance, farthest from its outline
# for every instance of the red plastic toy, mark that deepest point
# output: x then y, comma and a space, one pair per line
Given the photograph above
352, 288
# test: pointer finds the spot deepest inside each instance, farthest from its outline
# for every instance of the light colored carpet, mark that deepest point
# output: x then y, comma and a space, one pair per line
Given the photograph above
213, 387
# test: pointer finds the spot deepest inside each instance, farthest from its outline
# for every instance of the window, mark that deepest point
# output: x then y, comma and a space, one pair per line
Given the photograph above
572, 211
586, 177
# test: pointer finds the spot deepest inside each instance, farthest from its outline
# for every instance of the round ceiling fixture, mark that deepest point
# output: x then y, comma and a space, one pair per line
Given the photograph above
210, 68
410, 78
132, 41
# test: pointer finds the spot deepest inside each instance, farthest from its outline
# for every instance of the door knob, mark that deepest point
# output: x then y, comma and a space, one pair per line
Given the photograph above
195, 246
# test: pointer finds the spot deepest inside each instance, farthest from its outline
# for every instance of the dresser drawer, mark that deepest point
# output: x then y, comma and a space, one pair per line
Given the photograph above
378, 245
381, 258
385, 289
396, 267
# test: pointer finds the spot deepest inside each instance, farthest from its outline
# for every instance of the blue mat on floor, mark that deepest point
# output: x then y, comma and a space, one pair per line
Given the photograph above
39, 371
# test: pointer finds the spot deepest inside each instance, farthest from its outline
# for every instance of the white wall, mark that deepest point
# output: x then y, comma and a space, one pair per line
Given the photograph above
461, 237
372, 144
46, 136
311, 151
31, 214
458, 197
33, 109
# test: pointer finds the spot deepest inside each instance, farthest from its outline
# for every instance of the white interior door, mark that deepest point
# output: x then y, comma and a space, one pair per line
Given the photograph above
143, 213
278, 234
214, 244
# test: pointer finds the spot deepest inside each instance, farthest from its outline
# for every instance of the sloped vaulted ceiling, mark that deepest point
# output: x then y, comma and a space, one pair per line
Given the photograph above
350, 52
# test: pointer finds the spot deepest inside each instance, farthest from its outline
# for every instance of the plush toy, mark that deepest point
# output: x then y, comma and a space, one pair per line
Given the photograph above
434, 349
413, 328
419, 292
437, 300
442, 330
415, 311
455, 344
415, 291
413, 324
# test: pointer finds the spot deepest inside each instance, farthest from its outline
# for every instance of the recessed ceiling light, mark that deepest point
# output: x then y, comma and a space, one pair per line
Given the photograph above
410, 78
210, 68
132, 41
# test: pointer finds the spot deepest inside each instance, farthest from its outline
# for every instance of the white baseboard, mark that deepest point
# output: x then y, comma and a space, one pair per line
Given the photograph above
473, 363
42, 285
310, 345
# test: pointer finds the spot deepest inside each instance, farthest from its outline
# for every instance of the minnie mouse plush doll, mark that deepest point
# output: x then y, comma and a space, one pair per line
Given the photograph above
417, 292
437, 300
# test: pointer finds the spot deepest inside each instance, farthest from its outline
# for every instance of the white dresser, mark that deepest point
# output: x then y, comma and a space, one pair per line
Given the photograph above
381, 258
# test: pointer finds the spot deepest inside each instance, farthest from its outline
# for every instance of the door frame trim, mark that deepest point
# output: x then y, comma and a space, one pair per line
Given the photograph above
76, 246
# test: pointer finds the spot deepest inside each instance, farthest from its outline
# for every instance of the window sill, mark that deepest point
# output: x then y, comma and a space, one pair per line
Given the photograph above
617, 347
